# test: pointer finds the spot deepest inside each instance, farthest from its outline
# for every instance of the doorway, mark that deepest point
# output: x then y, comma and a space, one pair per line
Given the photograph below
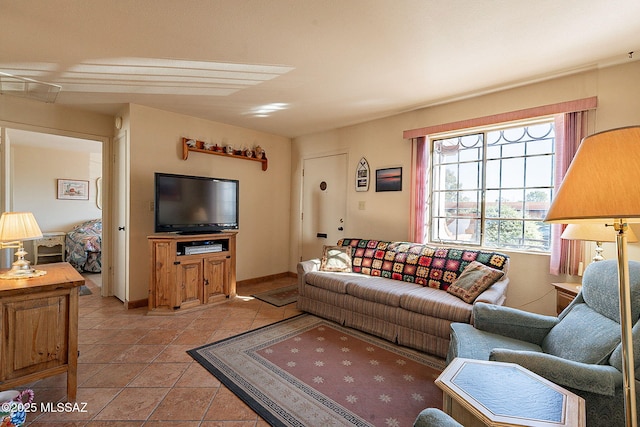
324, 203
34, 166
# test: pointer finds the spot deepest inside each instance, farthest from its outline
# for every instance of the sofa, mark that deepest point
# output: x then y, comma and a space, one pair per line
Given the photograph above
407, 293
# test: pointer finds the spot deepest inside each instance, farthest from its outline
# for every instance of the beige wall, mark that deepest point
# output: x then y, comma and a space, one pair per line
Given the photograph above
35, 174
386, 215
156, 146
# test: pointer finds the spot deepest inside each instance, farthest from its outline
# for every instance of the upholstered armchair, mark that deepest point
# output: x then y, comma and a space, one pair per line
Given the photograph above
579, 350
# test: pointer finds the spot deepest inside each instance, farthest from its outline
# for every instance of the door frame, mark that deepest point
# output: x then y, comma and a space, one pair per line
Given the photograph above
336, 152
5, 169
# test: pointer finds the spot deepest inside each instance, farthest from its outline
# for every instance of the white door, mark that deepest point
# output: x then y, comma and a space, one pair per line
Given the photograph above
324, 203
121, 199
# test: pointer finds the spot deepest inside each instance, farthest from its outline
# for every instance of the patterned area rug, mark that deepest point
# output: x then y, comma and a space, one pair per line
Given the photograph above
280, 296
306, 371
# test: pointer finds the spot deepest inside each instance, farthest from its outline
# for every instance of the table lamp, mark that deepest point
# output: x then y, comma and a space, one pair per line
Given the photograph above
601, 187
16, 227
598, 233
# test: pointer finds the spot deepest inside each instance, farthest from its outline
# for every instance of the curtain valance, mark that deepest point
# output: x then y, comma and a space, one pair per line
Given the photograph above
583, 104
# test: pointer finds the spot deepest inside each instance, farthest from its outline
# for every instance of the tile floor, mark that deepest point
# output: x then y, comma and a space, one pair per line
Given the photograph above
133, 370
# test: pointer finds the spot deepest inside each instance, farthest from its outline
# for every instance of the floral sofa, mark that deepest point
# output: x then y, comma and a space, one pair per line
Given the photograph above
404, 292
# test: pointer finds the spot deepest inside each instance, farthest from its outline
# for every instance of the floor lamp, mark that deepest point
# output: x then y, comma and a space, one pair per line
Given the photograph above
602, 186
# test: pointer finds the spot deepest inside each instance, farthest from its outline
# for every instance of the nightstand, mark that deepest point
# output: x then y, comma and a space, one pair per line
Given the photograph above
565, 293
50, 246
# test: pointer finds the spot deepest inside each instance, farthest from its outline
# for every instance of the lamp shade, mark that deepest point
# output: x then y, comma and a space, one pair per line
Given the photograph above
595, 233
18, 226
602, 183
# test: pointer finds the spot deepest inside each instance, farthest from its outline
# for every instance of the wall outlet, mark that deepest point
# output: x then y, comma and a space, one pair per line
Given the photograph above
361, 205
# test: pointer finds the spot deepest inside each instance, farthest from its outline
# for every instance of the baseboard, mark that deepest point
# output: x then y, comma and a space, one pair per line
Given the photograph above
136, 304
265, 278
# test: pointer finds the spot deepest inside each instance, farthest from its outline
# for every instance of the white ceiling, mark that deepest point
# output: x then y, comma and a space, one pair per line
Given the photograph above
292, 67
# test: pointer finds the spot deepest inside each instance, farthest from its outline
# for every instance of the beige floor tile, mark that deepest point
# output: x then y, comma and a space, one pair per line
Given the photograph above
115, 375
196, 376
227, 406
159, 375
184, 404
133, 403
134, 371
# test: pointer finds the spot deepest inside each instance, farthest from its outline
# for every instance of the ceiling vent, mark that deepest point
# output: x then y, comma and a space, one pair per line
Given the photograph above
28, 88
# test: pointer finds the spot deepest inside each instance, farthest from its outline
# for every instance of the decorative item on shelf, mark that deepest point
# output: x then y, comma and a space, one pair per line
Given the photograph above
192, 143
600, 187
259, 152
16, 227
224, 149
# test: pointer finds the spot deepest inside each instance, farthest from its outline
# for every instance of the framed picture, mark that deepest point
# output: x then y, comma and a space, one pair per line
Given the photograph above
73, 189
389, 179
362, 175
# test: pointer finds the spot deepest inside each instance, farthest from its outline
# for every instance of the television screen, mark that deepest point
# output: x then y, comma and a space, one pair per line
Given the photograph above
194, 204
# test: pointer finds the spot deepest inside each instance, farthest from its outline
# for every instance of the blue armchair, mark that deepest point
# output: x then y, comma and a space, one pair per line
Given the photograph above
579, 350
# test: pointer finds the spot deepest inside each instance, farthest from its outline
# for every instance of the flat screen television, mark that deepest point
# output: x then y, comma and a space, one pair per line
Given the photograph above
195, 204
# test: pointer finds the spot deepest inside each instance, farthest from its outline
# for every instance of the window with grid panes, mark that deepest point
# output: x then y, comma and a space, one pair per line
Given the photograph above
493, 188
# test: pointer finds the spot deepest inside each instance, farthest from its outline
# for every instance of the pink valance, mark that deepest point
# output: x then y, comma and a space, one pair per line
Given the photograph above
583, 104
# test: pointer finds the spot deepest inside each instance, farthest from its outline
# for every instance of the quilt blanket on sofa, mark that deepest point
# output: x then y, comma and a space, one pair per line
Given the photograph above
435, 267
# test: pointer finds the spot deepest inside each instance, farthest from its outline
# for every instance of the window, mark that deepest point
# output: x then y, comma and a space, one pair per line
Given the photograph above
493, 188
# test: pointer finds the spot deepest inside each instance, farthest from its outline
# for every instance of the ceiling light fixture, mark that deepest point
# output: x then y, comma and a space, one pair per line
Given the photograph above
28, 88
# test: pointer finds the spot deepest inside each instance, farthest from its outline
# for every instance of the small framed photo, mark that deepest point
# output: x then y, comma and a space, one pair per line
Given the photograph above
73, 189
389, 179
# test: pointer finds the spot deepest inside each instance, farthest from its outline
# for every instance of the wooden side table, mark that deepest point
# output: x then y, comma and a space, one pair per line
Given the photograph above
39, 324
484, 393
49, 241
565, 293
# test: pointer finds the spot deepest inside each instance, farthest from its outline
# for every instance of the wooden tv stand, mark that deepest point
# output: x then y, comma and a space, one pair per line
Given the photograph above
191, 271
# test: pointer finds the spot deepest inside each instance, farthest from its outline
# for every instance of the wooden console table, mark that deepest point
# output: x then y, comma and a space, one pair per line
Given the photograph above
484, 393
40, 327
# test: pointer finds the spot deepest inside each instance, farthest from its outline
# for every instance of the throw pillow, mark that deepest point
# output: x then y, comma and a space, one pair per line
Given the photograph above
336, 258
475, 278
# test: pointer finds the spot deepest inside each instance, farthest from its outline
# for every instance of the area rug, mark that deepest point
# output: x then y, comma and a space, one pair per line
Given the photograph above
306, 371
280, 296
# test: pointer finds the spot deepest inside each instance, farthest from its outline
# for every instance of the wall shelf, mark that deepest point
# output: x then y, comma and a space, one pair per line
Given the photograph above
238, 154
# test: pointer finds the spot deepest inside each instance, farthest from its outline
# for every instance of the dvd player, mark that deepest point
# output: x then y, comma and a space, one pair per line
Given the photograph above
203, 249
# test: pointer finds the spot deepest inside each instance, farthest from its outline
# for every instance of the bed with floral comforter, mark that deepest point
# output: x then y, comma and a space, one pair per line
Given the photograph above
84, 246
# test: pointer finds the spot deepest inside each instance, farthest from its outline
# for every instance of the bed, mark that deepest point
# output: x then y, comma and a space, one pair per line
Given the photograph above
84, 246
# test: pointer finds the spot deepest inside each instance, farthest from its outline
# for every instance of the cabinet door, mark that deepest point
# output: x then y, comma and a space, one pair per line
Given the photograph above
189, 283
162, 287
216, 278
34, 335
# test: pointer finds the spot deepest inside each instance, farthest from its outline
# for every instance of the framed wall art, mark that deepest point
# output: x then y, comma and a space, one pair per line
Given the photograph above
389, 179
362, 175
73, 189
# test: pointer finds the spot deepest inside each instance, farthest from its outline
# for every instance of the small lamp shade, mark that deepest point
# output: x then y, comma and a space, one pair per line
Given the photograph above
594, 233
18, 226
